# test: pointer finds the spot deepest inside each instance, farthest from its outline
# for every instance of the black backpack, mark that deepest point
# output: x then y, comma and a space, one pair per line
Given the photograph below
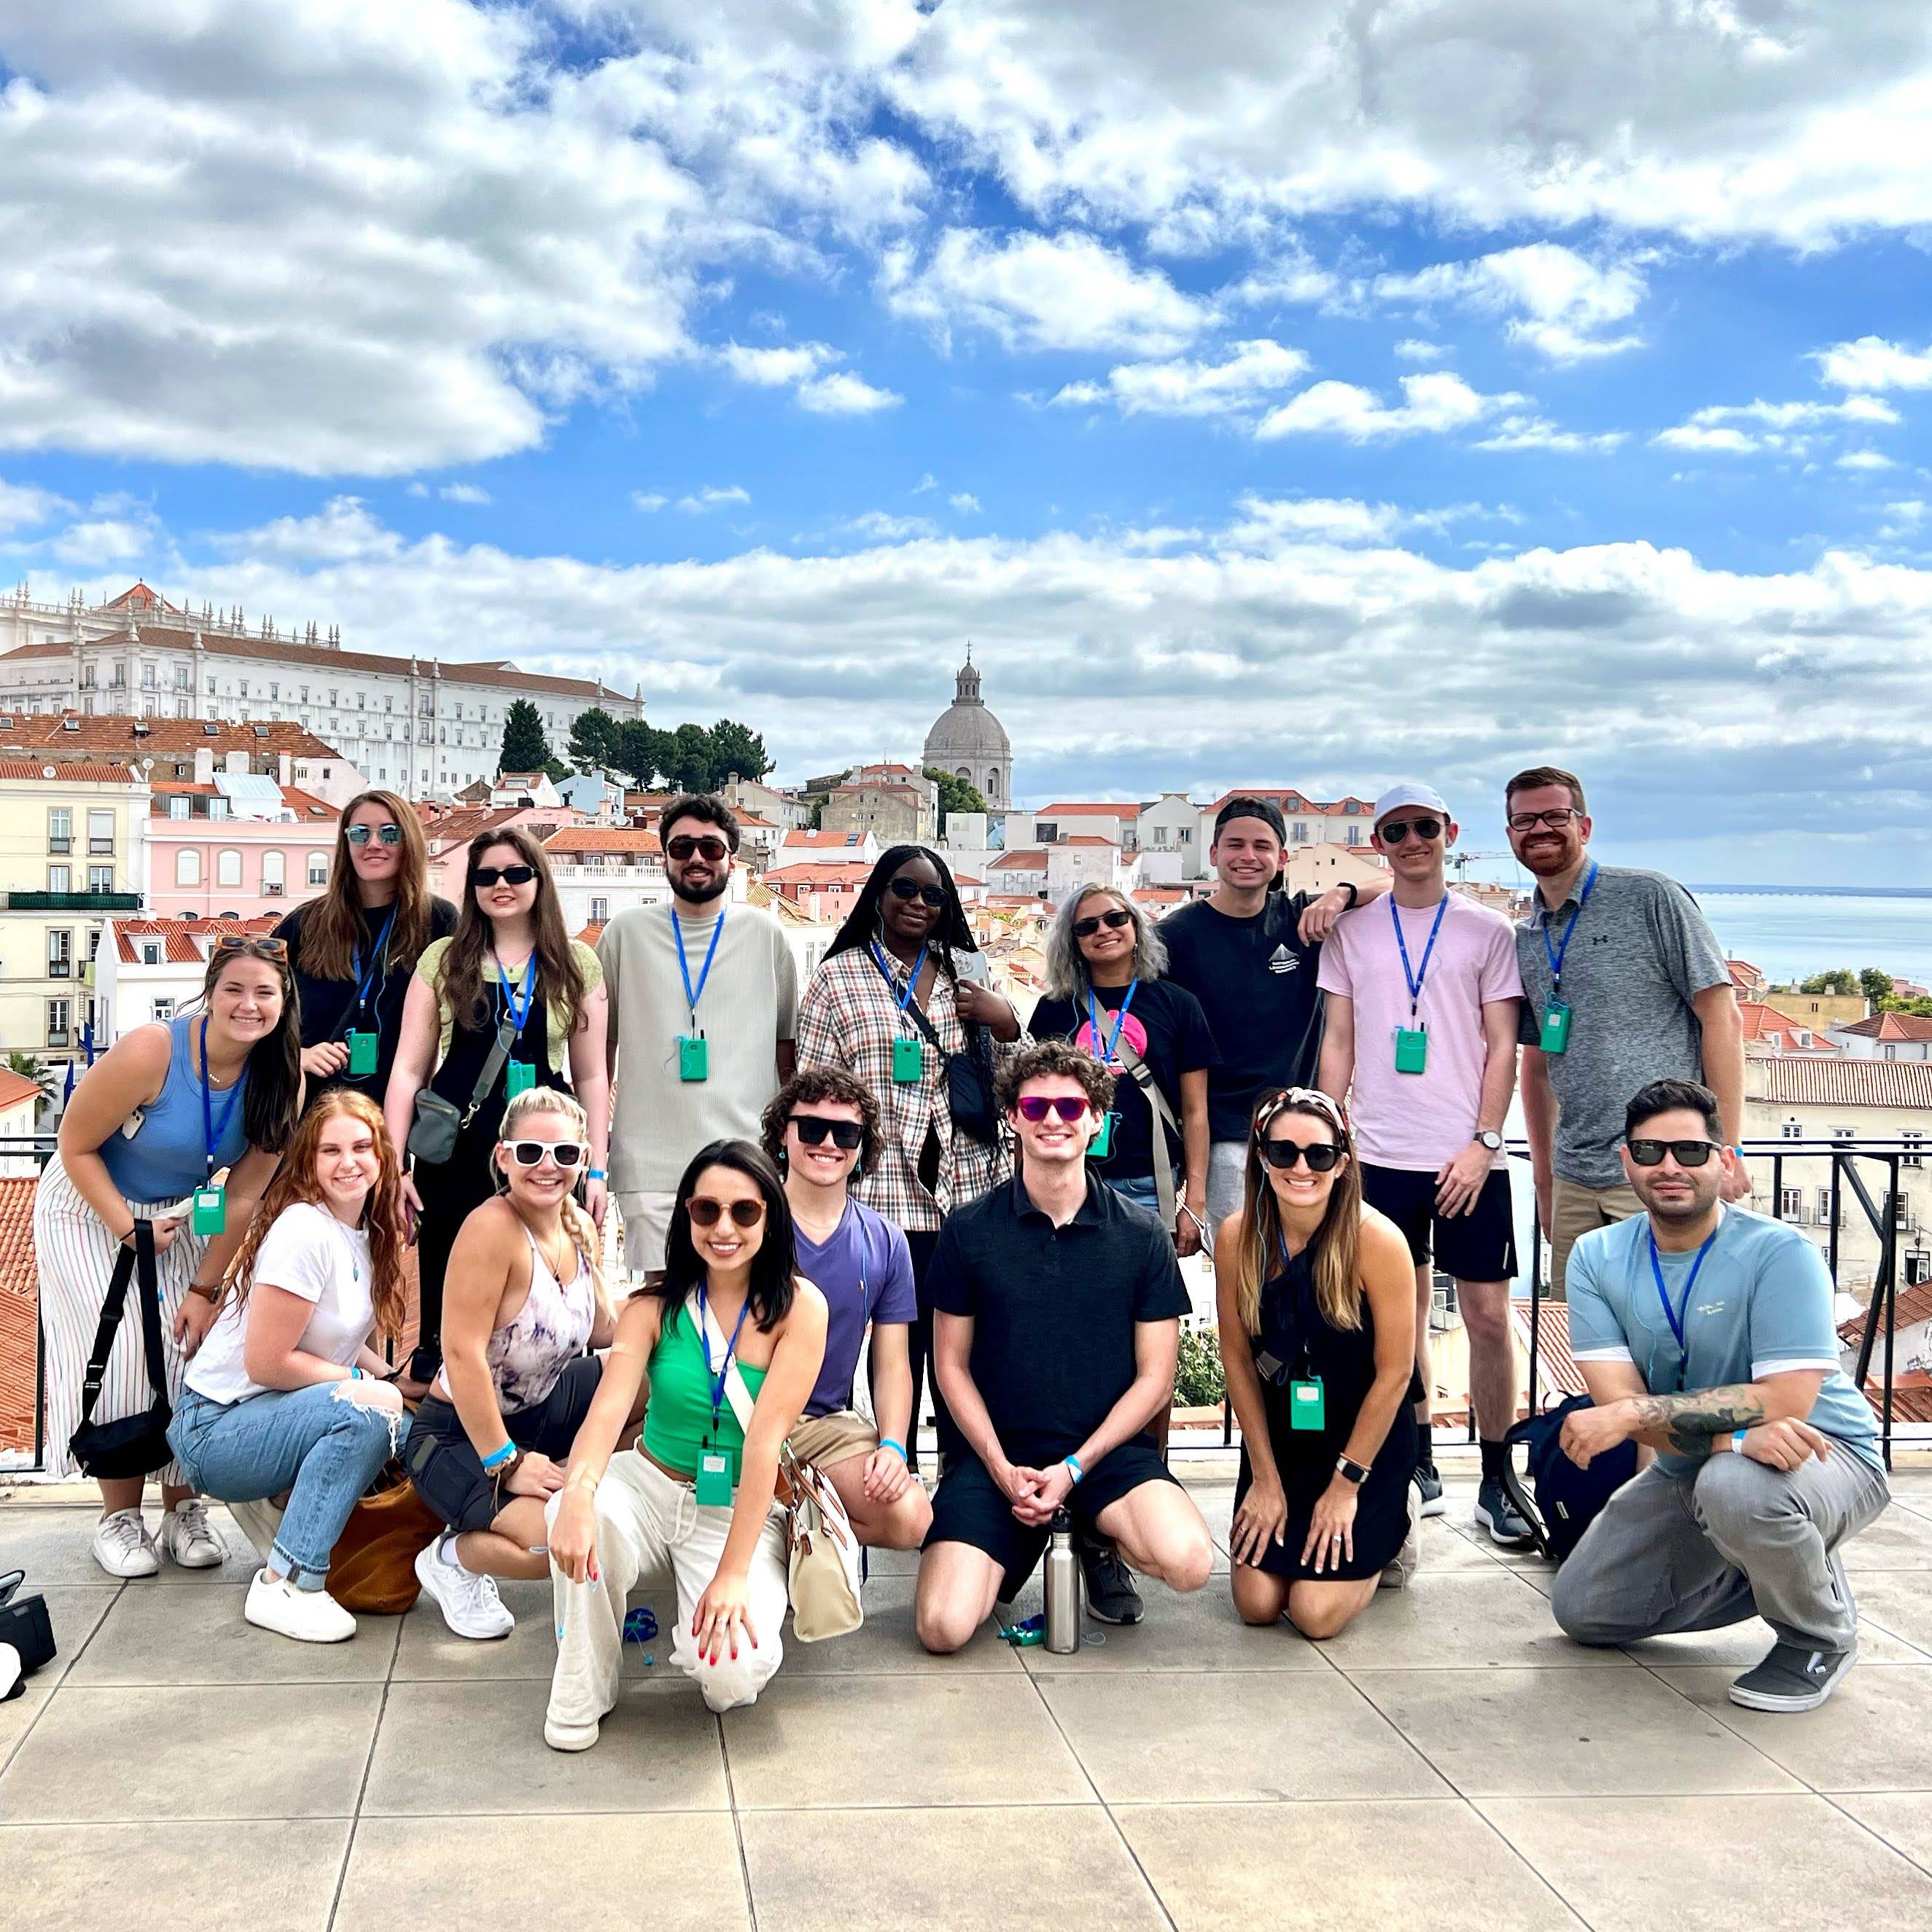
1562, 1501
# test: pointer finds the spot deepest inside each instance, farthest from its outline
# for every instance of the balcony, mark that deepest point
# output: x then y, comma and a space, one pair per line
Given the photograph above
73, 901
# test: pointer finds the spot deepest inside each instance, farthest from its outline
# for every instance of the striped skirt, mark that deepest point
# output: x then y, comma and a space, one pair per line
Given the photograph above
76, 1255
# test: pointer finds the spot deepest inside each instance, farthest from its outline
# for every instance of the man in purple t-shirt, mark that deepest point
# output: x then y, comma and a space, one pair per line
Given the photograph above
820, 1127
1423, 994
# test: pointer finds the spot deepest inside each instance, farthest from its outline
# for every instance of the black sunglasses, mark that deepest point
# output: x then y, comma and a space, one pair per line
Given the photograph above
1284, 1154
528, 1154
391, 834
1397, 830
908, 890
704, 1212
486, 876
1687, 1154
813, 1128
1085, 928
685, 846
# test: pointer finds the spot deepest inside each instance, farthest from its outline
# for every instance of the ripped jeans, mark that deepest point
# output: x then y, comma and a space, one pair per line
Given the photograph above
320, 1446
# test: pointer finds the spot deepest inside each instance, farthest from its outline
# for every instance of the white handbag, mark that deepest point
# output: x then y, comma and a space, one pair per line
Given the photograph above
822, 1549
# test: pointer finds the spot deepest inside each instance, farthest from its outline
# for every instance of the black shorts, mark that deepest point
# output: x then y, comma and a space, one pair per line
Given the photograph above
445, 1469
970, 1508
1479, 1245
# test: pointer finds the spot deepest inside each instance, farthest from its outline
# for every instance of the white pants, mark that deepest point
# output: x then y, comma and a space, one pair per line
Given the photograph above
646, 1219
644, 1518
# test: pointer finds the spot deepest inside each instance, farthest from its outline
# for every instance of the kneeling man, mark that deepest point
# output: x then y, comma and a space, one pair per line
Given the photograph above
1056, 1327
1705, 1332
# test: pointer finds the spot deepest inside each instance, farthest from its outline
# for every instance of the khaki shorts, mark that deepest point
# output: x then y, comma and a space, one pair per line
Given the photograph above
824, 1440
1574, 1209
646, 1219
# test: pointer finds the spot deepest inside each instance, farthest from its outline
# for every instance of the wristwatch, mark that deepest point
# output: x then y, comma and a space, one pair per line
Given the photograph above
1354, 898
1355, 1472
1488, 1137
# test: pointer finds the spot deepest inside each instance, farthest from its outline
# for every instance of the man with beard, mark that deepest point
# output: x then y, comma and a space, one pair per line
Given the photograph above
1624, 983
703, 1003
1705, 1332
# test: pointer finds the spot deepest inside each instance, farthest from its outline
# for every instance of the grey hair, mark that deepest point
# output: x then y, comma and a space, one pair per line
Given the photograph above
1066, 971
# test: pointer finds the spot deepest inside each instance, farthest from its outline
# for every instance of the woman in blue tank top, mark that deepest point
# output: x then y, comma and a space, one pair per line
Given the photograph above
204, 1103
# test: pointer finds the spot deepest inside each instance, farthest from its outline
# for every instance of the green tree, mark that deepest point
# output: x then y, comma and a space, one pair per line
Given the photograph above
594, 740
1890, 1004
955, 794
1875, 983
38, 1072
525, 747
691, 763
642, 750
1839, 979
737, 748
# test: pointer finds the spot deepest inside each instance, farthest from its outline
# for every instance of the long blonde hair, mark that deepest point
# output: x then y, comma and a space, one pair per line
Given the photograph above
1338, 1287
577, 1224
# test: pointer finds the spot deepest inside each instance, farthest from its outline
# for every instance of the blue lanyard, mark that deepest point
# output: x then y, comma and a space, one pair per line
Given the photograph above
717, 1380
1120, 1021
1556, 954
911, 984
379, 964
691, 997
1415, 982
212, 1136
1673, 1315
518, 1014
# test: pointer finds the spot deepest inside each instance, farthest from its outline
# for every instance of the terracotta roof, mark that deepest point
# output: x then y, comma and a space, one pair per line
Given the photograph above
19, 1288
820, 841
1911, 1397
882, 771
68, 771
179, 936
142, 595
593, 932
1765, 1025
15, 1087
165, 737
1555, 1366
1160, 894
819, 872
459, 827
1889, 1027
888, 785
1089, 838
1844, 1082
1292, 802
1033, 860
602, 838
1910, 1307
1126, 813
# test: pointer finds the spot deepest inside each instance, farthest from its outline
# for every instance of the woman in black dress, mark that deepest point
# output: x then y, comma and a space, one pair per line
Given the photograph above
1317, 1305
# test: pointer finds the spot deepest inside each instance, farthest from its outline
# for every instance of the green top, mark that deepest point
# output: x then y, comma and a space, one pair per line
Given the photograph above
429, 970
678, 1422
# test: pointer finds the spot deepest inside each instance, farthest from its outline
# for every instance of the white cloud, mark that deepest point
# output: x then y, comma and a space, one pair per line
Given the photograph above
1251, 372
1743, 429
1040, 291
1265, 523
1411, 348
882, 527
807, 368
1534, 432
927, 481
842, 394
1436, 403
1872, 363
23, 507
1559, 303
464, 493
1865, 459
713, 497
649, 500
965, 502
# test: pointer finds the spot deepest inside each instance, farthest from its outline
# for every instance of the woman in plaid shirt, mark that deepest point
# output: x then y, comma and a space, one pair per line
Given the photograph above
907, 941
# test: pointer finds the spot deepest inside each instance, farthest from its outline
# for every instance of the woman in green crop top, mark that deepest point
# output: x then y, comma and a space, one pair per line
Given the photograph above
698, 1489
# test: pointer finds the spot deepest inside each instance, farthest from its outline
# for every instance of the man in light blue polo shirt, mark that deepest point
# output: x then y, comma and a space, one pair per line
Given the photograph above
1705, 1332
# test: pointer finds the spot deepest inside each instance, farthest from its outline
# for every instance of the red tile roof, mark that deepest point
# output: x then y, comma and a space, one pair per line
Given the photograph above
1766, 1026
816, 841
601, 838
1089, 838
15, 1087
1555, 1366
68, 771
19, 1288
1802, 1080
1028, 861
1891, 1027
1292, 802
165, 737
1126, 813
182, 936
819, 872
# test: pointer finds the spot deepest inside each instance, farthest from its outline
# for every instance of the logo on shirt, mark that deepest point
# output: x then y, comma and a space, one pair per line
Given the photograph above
1710, 1308
1282, 961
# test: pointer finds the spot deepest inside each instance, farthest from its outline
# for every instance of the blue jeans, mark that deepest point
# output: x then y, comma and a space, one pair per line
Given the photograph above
1143, 1190
323, 1447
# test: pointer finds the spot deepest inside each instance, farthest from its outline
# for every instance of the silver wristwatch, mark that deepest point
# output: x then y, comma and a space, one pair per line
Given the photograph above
1489, 1138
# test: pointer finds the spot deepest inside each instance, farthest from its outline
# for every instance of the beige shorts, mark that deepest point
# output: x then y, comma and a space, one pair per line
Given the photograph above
824, 1440
1574, 1209
646, 1219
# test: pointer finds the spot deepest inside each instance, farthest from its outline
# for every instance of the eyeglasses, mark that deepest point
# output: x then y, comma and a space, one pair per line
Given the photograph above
1036, 1107
528, 1154
1085, 928
485, 877
391, 834
1285, 1154
813, 1129
1528, 821
1686, 1153
685, 846
909, 889
1397, 830
704, 1212
241, 942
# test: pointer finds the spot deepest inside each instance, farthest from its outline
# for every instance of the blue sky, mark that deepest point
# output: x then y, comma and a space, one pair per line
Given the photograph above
1314, 399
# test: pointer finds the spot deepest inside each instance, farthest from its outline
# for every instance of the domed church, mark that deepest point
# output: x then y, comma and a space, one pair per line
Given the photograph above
968, 741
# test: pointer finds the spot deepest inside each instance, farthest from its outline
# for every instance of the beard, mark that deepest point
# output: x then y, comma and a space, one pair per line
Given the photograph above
704, 895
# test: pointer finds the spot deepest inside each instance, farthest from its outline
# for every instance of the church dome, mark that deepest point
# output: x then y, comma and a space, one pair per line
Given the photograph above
966, 731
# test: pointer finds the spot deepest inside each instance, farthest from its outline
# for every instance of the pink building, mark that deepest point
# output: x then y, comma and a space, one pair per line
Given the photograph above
206, 857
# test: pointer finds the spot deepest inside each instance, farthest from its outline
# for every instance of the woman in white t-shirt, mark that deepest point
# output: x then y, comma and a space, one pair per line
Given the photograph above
285, 1394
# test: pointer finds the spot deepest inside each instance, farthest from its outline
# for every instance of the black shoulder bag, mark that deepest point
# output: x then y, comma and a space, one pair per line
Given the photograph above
438, 1122
969, 1077
136, 1445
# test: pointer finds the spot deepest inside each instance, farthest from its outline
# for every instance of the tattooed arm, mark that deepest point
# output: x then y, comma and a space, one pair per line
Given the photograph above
1693, 1424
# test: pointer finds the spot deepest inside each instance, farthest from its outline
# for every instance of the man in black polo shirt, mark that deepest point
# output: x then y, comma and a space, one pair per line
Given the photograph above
1057, 1324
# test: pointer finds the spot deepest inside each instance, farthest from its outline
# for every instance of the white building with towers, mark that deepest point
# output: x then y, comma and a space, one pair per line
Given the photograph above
969, 742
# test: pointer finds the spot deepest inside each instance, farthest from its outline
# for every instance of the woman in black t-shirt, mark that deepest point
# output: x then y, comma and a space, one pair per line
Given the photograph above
1104, 987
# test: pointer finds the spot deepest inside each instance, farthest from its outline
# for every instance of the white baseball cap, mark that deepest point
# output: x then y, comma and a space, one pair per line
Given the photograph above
1408, 793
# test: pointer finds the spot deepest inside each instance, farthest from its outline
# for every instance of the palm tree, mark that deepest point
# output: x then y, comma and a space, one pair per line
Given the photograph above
31, 1068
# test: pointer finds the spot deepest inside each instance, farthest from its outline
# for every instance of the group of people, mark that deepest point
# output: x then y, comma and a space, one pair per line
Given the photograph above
376, 1160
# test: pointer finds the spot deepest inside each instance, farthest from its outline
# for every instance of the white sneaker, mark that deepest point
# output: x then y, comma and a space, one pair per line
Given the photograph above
469, 1603
309, 1616
1399, 1574
568, 1737
122, 1546
187, 1541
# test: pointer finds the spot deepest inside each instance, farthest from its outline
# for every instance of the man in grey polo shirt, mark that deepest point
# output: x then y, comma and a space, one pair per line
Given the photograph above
1624, 983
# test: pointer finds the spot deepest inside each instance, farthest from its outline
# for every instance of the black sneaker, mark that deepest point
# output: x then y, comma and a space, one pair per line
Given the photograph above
1110, 1594
1501, 1517
1429, 1486
1794, 1677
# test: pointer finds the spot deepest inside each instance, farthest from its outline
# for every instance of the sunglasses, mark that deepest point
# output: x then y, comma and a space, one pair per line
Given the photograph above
391, 834
706, 1212
813, 1129
1397, 830
1036, 1107
1085, 928
685, 846
239, 942
1285, 1154
1686, 1153
907, 889
1528, 821
528, 1154
487, 876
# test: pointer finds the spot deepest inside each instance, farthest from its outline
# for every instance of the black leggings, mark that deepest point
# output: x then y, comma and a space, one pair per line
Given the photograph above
918, 1344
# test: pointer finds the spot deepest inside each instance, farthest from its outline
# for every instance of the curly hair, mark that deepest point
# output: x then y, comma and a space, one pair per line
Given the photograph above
816, 1084
1053, 1057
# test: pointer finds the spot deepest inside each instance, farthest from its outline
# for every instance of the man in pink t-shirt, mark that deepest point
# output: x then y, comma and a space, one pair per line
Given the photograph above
1422, 998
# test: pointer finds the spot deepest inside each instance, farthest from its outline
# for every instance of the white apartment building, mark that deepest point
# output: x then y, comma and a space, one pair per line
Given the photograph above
151, 969
1884, 1036
423, 726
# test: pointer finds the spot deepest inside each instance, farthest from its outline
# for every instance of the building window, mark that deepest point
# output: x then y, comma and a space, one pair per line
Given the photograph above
228, 867
60, 954
600, 911
188, 866
147, 677
59, 1023
1793, 1130
274, 874
1825, 1205
182, 680
100, 831
60, 829
1790, 1204
1890, 1052
60, 878
1915, 1142
151, 952
1901, 1211
100, 878
179, 806
164, 1009
318, 868
1841, 1133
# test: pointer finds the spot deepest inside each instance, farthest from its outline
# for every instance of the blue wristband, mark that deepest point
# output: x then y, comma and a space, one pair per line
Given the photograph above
1073, 1463
1738, 1438
354, 1373
497, 1458
887, 1442
595, 1174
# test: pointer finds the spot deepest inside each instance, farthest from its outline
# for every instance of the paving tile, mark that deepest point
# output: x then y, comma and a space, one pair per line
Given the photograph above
886, 1642
1182, 1736
173, 1633
966, 1869
1713, 1864
275, 1750
75, 1611
471, 1748
276, 1875
429, 1649
598, 1874
1444, 1548
1901, 1539
848, 1742
1874, 1735
18, 1714
1200, 1632
1523, 1733
1895, 1601
51, 1545
1473, 1619
1738, 1646
1236, 1866
1903, 1819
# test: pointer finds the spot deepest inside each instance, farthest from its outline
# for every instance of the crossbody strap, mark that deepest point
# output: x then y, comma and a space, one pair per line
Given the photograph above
499, 1051
736, 1393
141, 1258
1164, 1124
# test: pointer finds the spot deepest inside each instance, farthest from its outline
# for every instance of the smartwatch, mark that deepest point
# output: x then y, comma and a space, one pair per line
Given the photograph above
1489, 1137
1355, 1472
1354, 897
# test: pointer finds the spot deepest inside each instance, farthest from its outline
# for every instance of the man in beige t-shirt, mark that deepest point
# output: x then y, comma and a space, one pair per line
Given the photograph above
703, 1003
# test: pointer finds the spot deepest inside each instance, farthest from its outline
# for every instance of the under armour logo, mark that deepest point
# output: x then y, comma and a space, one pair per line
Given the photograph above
1282, 961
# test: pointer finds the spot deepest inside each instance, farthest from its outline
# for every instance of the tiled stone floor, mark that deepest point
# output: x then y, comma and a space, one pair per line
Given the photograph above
1452, 1762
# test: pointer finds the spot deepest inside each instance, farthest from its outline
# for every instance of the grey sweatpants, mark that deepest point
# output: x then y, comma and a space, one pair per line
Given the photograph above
1735, 1539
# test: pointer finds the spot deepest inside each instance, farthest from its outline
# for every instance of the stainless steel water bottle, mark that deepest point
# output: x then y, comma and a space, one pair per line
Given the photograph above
1063, 1588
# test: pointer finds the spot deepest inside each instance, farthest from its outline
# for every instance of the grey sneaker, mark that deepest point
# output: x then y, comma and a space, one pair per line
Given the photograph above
1794, 1677
1429, 1487
1110, 1594
1399, 1575
1501, 1517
